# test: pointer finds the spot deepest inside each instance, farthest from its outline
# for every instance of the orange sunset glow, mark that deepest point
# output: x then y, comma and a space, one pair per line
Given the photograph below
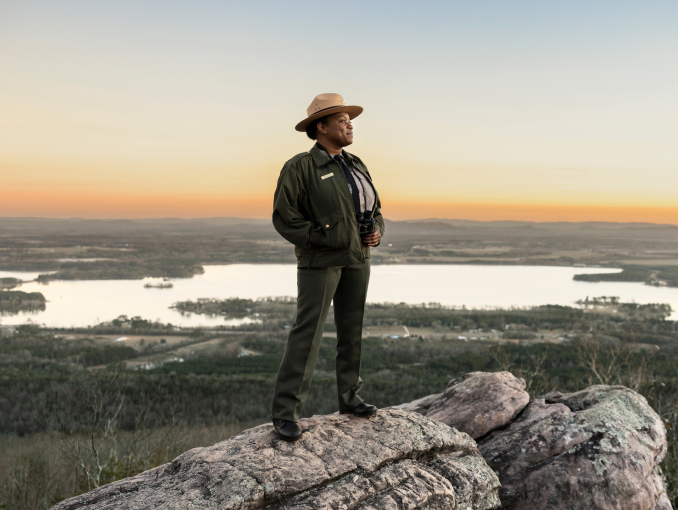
93, 205
475, 113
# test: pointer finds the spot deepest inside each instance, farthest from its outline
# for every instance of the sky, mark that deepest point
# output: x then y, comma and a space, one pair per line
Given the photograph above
483, 110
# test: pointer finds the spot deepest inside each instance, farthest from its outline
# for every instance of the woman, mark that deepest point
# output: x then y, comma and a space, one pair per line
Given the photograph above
326, 205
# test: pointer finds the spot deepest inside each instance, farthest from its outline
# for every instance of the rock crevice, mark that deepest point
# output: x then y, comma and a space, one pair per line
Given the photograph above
395, 459
598, 448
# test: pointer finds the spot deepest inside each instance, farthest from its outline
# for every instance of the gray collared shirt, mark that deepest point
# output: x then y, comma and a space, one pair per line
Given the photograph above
366, 193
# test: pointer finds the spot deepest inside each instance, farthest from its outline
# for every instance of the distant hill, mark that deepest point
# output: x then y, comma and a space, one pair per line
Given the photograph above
174, 247
416, 231
528, 229
80, 225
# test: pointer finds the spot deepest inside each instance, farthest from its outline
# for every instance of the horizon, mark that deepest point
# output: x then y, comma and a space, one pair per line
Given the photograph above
531, 111
246, 218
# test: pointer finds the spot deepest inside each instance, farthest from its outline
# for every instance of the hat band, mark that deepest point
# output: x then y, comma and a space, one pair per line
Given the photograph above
328, 108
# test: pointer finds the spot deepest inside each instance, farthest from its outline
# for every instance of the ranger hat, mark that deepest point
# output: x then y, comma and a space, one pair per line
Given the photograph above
327, 104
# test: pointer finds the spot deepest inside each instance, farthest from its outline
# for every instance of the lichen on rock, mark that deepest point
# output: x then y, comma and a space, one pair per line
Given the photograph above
395, 459
596, 448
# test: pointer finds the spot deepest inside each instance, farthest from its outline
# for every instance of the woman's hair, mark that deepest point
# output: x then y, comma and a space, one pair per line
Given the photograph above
312, 128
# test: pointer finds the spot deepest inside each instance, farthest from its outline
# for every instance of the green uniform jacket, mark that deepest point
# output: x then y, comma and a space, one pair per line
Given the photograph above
313, 209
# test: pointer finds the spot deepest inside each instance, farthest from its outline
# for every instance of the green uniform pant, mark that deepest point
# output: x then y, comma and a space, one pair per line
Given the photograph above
317, 288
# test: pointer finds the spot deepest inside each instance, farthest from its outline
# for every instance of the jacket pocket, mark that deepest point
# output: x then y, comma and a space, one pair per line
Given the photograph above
331, 232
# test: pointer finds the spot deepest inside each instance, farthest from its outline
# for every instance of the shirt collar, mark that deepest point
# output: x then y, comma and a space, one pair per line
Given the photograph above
322, 157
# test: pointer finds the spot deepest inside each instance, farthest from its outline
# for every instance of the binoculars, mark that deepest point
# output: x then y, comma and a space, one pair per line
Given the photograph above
365, 223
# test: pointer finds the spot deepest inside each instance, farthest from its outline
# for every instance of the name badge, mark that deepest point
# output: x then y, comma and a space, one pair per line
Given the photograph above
323, 177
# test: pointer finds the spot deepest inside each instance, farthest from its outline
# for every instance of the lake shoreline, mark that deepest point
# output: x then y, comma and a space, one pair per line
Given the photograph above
84, 303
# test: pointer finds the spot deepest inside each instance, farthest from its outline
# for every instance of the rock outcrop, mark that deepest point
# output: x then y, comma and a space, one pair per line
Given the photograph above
475, 403
597, 448
393, 460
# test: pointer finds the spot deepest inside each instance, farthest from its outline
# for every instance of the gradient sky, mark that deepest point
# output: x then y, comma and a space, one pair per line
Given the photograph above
533, 110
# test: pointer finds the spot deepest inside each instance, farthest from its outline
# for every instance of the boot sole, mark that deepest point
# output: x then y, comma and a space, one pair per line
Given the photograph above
366, 415
289, 439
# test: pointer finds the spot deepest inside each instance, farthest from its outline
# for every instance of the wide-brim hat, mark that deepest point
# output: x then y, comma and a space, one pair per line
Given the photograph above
327, 104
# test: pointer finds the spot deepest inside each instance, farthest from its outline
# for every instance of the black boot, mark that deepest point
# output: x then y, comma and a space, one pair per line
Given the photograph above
287, 430
362, 409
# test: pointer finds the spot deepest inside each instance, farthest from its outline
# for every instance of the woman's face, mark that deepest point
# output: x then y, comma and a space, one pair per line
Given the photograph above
338, 129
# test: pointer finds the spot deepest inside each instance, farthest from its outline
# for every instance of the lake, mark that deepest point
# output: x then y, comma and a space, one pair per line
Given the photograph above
88, 302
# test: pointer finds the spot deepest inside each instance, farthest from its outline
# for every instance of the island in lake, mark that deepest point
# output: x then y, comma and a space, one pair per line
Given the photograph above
15, 301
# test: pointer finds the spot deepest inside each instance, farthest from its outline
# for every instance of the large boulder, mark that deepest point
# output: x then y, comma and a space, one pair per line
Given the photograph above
598, 448
393, 460
475, 403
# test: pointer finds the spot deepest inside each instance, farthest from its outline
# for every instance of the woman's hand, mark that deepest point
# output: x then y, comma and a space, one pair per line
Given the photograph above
372, 239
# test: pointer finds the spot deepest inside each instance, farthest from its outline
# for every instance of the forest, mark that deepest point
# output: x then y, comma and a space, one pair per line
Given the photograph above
80, 409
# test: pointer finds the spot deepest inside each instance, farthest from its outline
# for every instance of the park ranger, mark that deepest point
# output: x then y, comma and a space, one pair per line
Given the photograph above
326, 205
